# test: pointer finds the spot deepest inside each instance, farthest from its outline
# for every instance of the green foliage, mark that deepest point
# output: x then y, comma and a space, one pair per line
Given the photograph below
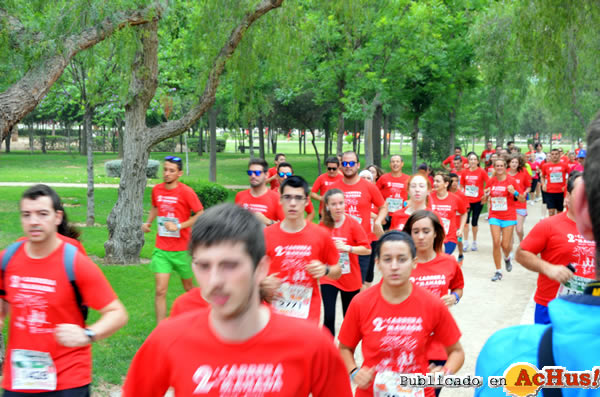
209, 193
113, 168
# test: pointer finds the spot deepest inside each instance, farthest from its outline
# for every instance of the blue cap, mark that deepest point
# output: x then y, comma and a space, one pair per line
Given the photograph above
582, 153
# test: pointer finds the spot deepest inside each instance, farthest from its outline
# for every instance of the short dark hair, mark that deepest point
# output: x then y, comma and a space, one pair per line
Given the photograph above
178, 163
332, 159
295, 181
278, 155
510, 143
458, 147
571, 181
440, 234
232, 224
554, 149
351, 152
396, 235
258, 161
36, 191
285, 164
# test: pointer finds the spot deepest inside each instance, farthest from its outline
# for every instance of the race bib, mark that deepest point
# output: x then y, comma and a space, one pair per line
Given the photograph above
499, 204
344, 262
575, 286
394, 204
471, 190
388, 384
556, 177
446, 223
162, 230
32, 370
293, 300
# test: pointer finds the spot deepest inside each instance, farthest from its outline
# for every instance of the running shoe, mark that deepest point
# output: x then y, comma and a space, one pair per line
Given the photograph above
508, 264
465, 245
474, 246
497, 276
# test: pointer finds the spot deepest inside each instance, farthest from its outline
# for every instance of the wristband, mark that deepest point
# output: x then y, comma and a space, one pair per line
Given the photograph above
456, 296
326, 270
353, 373
516, 194
90, 334
179, 226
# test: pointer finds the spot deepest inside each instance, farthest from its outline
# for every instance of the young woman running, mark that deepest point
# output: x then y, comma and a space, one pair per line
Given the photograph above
489, 168
473, 181
447, 205
395, 320
437, 272
516, 169
454, 188
501, 195
351, 240
418, 199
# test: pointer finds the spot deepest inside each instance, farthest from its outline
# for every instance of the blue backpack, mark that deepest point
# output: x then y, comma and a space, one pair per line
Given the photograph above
68, 259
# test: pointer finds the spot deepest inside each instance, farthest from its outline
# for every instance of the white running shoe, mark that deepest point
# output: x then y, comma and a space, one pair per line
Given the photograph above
465, 245
474, 246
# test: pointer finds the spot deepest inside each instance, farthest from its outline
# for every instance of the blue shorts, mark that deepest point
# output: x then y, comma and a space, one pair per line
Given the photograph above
449, 247
541, 314
501, 223
521, 211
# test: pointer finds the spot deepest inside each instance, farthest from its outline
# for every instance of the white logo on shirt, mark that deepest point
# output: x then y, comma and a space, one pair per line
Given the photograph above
244, 378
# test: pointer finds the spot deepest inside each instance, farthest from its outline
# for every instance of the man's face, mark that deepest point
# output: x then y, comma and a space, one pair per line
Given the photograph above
293, 201
332, 169
539, 148
280, 160
458, 165
457, 152
171, 172
286, 172
396, 163
38, 218
350, 169
227, 278
489, 146
257, 180
555, 156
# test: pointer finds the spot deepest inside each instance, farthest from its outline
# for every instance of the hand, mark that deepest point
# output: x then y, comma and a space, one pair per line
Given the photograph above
71, 335
170, 226
378, 229
316, 269
339, 244
449, 300
459, 232
146, 227
511, 189
363, 377
543, 187
558, 273
269, 286
435, 368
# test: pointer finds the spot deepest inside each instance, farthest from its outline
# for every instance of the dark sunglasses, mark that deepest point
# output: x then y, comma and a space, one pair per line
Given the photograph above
331, 168
174, 159
348, 163
285, 174
256, 172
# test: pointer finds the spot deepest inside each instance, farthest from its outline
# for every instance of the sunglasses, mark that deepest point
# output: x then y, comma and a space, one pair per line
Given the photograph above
331, 168
285, 174
174, 159
348, 163
256, 172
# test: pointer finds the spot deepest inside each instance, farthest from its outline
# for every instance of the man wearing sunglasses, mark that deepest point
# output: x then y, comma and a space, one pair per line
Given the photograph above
259, 199
284, 171
172, 204
272, 176
324, 181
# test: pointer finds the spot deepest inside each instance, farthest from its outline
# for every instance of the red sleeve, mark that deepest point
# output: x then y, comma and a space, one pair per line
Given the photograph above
317, 185
380, 183
535, 241
446, 331
448, 160
79, 247
458, 281
526, 180
460, 204
193, 200
280, 214
238, 198
485, 176
360, 236
154, 198
309, 206
350, 333
95, 290
328, 371
376, 197
462, 179
330, 255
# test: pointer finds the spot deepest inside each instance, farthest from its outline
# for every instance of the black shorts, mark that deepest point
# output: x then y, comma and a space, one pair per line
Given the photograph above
534, 183
83, 391
555, 201
474, 212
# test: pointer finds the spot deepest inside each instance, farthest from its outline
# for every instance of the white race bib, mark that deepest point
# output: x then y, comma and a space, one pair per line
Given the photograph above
344, 262
394, 204
32, 370
446, 223
293, 300
556, 177
499, 204
574, 286
162, 230
471, 190
388, 384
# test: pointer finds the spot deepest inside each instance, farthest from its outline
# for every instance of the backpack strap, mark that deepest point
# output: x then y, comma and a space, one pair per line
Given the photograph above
8, 254
69, 260
546, 359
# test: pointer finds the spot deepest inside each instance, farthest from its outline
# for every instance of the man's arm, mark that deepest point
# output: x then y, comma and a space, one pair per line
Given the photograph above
190, 222
146, 226
316, 196
536, 264
378, 224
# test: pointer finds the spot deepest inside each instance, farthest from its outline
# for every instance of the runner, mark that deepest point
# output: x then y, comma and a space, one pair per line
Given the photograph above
516, 169
558, 242
572, 163
580, 160
535, 177
447, 205
395, 320
490, 167
350, 240
418, 193
301, 253
376, 171
554, 178
324, 181
449, 162
237, 346
502, 192
579, 147
172, 205
284, 171
486, 154
437, 272
473, 181
540, 156
394, 186
49, 345
259, 199
454, 188
272, 177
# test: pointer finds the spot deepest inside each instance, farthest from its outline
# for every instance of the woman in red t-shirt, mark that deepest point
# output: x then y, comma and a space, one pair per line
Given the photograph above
396, 320
473, 181
351, 240
516, 169
447, 205
489, 167
418, 199
501, 194
453, 188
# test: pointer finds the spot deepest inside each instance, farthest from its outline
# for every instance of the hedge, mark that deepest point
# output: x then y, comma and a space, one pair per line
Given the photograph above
113, 168
209, 193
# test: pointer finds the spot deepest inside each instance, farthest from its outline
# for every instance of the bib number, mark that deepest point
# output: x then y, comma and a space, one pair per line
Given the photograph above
293, 300
388, 384
574, 286
162, 230
32, 370
446, 223
394, 204
499, 204
344, 262
356, 218
556, 177
471, 191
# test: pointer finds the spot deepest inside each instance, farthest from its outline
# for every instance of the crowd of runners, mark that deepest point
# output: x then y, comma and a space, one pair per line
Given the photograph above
264, 270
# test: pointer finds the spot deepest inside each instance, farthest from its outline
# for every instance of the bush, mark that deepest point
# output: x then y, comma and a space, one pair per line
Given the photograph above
193, 144
113, 168
209, 193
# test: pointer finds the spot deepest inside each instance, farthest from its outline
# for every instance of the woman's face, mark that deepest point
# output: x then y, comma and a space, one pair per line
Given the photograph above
500, 167
395, 262
438, 183
418, 188
494, 158
514, 164
373, 172
423, 234
336, 205
473, 161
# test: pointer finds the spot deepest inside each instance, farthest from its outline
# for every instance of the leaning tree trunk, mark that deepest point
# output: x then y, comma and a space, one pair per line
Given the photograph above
314, 145
415, 137
376, 134
90, 218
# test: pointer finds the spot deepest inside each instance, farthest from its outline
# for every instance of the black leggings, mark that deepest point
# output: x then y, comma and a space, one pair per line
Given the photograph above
475, 209
83, 391
329, 294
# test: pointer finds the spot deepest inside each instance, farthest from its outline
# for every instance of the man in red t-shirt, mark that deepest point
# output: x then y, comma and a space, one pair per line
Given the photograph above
237, 346
449, 162
394, 185
487, 153
554, 178
49, 344
324, 181
172, 204
579, 147
259, 199
272, 177
284, 171
301, 253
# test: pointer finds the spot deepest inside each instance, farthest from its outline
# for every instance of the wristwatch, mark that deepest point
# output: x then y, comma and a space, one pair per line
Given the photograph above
90, 334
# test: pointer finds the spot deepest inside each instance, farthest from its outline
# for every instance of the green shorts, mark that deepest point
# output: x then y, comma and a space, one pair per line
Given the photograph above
167, 261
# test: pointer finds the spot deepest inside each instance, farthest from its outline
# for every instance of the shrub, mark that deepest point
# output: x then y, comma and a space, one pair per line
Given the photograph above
113, 168
209, 193
193, 144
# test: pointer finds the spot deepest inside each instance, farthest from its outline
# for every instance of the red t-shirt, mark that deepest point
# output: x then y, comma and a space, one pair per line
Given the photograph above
300, 295
289, 357
359, 198
395, 336
558, 241
275, 182
394, 190
486, 154
175, 205
350, 233
191, 300
463, 198
555, 176
66, 239
400, 217
450, 160
322, 185
439, 276
572, 165
473, 183
446, 210
501, 203
490, 171
524, 180
534, 169
267, 204
40, 297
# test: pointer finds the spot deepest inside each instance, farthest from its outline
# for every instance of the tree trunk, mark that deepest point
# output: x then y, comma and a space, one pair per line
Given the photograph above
68, 129
386, 135
120, 138
314, 145
201, 142
212, 123
31, 143
376, 134
368, 137
87, 119
7, 140
415, 137
83, 142
261, 138
340, 125
452, 129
